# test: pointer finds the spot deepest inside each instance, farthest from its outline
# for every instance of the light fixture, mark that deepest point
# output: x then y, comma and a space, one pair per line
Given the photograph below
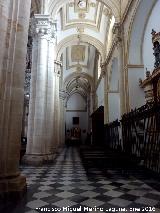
82, 4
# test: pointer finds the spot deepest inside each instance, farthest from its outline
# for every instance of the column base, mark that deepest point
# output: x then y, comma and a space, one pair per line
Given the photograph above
12, 188
38, 160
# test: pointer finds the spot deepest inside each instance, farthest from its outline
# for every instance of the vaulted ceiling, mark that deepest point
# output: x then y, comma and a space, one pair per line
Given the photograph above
84, 28
88, 17
86, 21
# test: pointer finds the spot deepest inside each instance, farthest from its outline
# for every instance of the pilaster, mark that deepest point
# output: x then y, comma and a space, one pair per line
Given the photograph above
118, 33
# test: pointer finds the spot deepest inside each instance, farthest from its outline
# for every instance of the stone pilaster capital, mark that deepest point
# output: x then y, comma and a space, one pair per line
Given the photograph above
43, 26
62, 94
57, 67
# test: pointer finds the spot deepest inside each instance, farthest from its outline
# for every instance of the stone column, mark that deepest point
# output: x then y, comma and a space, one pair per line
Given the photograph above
62, 96
44, 6
57, 73
40, 137
14, 25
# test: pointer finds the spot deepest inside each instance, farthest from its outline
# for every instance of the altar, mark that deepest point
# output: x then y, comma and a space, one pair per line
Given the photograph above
74, 136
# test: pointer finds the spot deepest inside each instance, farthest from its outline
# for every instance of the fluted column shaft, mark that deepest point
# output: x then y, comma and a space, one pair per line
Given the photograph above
62, 96
40, 136
57, 73
14, 25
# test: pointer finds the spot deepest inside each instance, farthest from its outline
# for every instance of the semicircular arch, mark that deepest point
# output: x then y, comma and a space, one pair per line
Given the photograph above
137, 26
85, 39
75, 75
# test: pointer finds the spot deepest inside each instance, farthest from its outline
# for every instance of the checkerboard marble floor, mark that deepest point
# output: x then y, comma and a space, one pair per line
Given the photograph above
65, 186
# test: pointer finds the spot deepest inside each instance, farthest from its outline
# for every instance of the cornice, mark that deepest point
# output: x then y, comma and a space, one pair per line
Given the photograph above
43, 26
135, 66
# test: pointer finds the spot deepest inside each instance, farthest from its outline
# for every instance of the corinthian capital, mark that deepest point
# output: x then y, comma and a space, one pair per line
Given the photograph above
43, 26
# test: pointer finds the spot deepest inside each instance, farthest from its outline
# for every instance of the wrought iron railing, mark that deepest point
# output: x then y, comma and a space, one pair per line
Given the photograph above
140, 131
112, 136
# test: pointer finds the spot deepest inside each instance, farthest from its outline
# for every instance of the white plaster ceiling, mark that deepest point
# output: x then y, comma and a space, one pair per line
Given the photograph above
93, 20
78, 58
82, 25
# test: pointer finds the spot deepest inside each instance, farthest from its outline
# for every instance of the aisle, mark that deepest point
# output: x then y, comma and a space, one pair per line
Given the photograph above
65, 183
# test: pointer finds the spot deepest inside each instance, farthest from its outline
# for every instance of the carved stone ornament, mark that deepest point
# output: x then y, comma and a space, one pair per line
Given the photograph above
151, 84
79, 68
62, 94
78, 53
57, 68
71, 4
28, 69
80, 29
92, 4
43, 26
117, 31
156, 47
81, 15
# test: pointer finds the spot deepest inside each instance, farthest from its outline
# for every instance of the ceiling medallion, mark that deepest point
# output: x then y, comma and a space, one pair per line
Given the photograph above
79, 68
80, 29
82, 4
81, 15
